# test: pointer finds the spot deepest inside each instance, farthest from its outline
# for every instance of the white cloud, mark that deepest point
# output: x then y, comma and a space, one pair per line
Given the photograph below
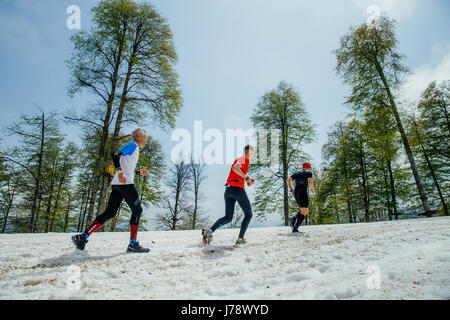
421, 77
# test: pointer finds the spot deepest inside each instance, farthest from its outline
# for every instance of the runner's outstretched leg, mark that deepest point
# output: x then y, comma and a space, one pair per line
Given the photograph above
244, 203
230, 202
115, 199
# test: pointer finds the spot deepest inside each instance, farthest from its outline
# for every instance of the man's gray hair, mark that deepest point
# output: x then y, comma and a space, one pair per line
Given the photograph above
138, 132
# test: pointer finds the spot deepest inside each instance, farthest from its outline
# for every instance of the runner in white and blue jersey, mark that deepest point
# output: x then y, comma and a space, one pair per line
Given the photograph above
125, 160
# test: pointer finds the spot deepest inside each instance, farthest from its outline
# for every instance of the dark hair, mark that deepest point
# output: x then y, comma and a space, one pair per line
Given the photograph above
248, 147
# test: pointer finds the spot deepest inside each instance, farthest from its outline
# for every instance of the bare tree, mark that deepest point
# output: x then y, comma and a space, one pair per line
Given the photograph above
195, 218
175, 201
36, 133
8, 191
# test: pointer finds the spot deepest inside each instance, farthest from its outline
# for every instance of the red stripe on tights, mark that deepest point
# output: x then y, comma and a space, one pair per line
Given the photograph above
95, 225
133, 232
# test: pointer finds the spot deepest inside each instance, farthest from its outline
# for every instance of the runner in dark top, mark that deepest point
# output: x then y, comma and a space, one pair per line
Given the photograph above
303, 179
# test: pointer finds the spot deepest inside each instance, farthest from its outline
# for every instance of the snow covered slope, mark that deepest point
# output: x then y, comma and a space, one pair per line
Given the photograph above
410, 258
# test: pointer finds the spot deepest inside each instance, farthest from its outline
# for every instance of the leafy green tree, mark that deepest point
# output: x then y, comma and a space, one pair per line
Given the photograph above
96, 67
368, 61
336, 154
280, 109
127, 61
431, 136
435, 119
149, 88
429, 164
326, 200
356, 144
384, 145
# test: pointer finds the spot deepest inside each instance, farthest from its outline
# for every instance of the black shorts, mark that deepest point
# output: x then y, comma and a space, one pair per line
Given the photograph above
301, 196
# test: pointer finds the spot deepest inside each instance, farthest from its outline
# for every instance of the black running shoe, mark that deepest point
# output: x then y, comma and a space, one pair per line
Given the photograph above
79, 241
295, 230
137, 248
292, 221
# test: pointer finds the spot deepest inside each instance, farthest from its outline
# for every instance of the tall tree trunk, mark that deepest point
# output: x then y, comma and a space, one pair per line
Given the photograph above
98, 167
430, 167
364, 185
194, 214
436, 183
350, 213
50, 197
175, 212
347, 190
100, 159
285, 164
105, 128
62, 179
8, 208
35, 224
405, 141
115, 139
55, 207
38, 178
66, 218
387, 189
84, 211
336, 208
392, 184
285, 196
82, 202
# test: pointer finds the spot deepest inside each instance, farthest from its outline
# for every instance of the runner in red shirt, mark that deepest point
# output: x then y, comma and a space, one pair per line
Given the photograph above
235, 191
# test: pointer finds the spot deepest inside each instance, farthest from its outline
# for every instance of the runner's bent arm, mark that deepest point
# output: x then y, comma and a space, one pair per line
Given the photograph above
237, 169
288, 182
116, 160
311, 185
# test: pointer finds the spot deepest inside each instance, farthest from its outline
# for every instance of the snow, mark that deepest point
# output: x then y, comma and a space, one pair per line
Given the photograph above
405, 259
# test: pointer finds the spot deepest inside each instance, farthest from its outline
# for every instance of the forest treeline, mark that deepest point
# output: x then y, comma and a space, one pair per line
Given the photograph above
383, 160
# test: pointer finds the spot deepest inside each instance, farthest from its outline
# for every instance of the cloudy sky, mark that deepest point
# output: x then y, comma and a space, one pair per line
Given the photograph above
230, 53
